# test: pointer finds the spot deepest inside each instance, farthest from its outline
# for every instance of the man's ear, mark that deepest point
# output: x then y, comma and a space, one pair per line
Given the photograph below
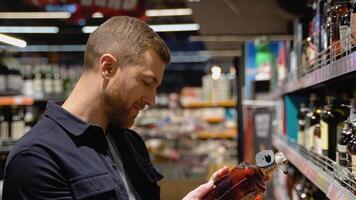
108, 66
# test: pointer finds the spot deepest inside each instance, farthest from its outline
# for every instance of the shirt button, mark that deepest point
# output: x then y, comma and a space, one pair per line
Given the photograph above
114, 166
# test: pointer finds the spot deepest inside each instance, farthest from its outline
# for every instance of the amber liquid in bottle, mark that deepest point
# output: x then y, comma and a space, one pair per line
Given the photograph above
243, 181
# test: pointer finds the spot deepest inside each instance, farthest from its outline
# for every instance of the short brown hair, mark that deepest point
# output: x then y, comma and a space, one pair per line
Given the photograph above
125, 37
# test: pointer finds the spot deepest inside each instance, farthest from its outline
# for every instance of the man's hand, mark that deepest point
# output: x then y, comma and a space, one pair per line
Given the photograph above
200, 191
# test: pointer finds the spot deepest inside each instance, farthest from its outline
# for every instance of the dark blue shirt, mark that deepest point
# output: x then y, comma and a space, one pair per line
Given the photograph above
63, 157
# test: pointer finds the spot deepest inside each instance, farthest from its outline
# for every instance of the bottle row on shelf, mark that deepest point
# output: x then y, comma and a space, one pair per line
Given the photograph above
38, 81
321, 41
15, 121
328, 130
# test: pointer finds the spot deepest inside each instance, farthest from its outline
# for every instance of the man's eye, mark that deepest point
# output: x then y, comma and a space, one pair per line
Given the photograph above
146, 83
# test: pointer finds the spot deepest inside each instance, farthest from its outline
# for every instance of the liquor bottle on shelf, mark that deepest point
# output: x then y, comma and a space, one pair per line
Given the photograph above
344, 28
317, 145
303, 110
48, 80
29, 118
37, 83
338, 9
3, 75
17, 127
245, 180
311, 121
353, 25
57, 82
332, 117
343, 158
27, 81
4, 125
351, 150
14, 79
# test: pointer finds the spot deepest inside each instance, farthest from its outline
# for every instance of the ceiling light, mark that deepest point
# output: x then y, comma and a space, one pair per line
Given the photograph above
157, 28
97, 15
35, 15
169, 12
29, 29
12, 41
50, 48
175, 27
237, 38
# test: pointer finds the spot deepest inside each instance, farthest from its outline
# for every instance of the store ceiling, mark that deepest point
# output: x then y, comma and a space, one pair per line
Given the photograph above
239, 18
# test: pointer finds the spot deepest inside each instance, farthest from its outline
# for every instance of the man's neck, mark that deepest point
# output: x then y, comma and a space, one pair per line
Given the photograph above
87, 103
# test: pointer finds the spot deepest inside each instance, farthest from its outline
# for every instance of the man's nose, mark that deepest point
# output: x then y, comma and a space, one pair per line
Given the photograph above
150, 100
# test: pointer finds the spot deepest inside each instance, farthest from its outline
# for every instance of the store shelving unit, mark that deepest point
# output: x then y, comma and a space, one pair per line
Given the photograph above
321, 178
16, 100
25, 100
343, 66
320, 170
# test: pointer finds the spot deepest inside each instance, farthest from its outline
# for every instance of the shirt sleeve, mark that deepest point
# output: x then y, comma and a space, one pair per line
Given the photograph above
33, 175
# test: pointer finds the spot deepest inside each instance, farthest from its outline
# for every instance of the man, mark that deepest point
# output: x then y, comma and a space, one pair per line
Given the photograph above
84, 149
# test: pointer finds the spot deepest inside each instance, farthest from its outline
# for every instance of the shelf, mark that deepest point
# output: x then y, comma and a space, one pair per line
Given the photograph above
16, 100
230, 133
24, 100
208, 104
315, 174
343, 66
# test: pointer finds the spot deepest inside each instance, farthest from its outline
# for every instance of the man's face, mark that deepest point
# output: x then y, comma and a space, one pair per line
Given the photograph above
132, 88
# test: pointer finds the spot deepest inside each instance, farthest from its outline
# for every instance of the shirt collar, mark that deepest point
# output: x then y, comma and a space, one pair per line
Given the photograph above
66, 119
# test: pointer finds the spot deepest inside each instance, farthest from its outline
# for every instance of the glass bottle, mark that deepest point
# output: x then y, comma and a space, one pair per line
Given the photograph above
344, 27
17, 123
303, 110
243, 181
332, 117
311, 120
338, 9
3, 75
353, 25
37, 83
29, 118
351, 150
28, 88
4, 125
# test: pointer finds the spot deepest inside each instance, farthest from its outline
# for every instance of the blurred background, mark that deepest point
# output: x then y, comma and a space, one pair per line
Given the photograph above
245, 76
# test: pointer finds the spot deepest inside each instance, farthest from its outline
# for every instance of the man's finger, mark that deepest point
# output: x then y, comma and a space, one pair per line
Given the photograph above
200, 191
219, 173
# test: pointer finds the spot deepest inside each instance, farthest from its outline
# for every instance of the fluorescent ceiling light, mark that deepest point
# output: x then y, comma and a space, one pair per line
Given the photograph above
50, 48
12, 41
238, 38
35, 15
97, 15
175, 27
158, 28
169, 12
89, 29
29, 29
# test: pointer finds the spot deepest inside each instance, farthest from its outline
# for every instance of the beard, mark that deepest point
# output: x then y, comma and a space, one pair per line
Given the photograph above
118, 110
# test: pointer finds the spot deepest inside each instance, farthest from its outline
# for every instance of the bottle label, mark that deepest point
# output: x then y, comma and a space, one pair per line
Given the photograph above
343, 157
309, 137
58, 86
345, 31
4, 130
353, 114
353, 28
301, 138
48, 86
2, 83
38, 87
353, 163
28, 88
14, 82
324, 131
317, 145
17, 129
